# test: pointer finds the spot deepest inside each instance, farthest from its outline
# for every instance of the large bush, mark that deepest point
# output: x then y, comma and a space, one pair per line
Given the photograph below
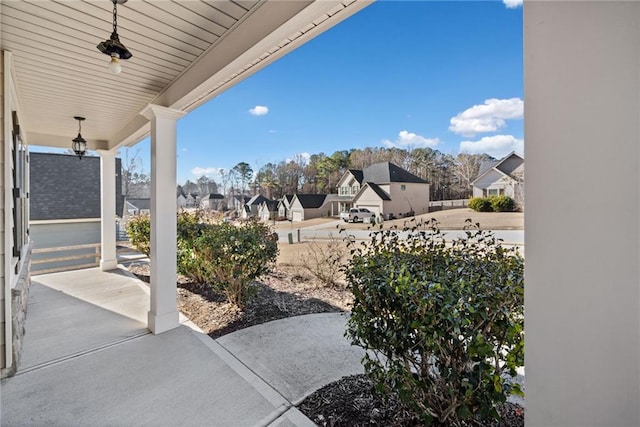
502, 204
480, 204
139, 232
443, 322
492, 204
209, 251
227, 256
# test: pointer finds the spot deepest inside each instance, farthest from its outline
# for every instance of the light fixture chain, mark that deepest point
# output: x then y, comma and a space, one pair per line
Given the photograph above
115, 16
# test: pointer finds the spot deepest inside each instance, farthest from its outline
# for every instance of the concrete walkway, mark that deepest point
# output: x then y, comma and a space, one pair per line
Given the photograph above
88, 359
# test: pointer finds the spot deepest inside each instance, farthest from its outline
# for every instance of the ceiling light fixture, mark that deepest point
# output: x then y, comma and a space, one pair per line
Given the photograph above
113, 47
79, 145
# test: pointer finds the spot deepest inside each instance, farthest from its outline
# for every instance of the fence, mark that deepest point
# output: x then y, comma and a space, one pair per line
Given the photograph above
46, 256
440, 205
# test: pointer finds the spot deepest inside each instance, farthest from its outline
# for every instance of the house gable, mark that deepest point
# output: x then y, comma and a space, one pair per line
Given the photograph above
505, 166
350, 183
510, 163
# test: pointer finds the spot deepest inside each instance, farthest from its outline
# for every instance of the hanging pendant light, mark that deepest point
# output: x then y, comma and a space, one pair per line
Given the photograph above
79, 145
113, 47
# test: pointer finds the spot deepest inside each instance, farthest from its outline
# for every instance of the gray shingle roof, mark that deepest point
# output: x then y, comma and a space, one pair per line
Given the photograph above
485, 165
386, 172
379, 191
311, 201
357, 174
214, 196
142, 204
257, 200
64, 187
272, 205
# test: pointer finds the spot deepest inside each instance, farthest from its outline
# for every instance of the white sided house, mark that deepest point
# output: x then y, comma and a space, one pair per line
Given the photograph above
267, 210
284, 206
348, 186
308, 206
388, 189
250, 209
212, 202
500, 177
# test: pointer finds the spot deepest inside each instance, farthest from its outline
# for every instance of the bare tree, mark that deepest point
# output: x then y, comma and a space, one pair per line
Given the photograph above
135, 181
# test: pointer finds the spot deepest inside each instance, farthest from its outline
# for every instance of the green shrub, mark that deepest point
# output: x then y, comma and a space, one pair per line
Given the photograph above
230, 257
502, 204
442, 322
480, 204
217, 253
139, 232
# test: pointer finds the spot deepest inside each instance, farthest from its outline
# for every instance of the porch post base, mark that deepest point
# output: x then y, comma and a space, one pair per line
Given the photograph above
162, 323
108, 264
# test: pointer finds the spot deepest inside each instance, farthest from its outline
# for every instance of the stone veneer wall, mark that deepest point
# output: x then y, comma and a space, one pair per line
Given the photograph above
19, 301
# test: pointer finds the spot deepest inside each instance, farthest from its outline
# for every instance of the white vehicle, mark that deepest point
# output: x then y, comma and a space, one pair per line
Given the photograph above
357, 215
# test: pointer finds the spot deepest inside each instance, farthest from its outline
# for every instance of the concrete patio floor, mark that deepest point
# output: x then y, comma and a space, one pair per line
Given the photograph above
88, 359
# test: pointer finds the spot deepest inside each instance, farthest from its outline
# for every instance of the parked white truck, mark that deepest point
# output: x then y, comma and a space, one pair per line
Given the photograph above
357, 215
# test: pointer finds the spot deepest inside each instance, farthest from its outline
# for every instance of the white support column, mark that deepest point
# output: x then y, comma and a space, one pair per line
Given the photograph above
108, 259
582, 215
163, 315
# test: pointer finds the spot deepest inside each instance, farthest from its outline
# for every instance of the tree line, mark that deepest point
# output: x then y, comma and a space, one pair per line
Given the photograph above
449, 176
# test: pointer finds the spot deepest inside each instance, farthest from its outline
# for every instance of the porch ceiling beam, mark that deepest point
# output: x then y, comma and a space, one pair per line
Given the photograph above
61, 141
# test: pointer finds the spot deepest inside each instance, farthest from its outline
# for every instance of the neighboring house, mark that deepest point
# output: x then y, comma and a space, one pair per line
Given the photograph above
348, 186
65, 202
212, 201
307, 206
284, 206
268, 210
383, 188
138, 206
181, 200
501, 177
250, 209
238, 203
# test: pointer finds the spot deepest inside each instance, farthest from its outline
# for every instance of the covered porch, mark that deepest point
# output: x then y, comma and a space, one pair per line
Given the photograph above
89, 359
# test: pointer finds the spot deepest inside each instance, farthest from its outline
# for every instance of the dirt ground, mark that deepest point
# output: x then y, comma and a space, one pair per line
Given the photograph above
451, 219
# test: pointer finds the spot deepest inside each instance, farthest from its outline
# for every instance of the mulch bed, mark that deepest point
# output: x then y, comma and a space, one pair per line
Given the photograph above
286, 292
351, 402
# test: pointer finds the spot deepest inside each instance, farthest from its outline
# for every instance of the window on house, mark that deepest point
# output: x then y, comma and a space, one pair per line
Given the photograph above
492, 192
355, 189
403, 187
20, 206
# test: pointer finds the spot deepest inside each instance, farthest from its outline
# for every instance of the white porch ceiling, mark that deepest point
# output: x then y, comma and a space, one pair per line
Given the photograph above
185, 52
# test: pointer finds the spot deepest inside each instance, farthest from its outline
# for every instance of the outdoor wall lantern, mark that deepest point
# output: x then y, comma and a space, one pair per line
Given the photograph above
113, 47
79, 145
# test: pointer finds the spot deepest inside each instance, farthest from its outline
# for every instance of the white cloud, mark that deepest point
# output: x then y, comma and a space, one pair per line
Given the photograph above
487, 117
198, 171
512, 4
259, 110
497, 146
410, 140
272, 131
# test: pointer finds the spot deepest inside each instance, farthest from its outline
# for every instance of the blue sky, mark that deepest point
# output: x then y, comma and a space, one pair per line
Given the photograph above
442, 74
